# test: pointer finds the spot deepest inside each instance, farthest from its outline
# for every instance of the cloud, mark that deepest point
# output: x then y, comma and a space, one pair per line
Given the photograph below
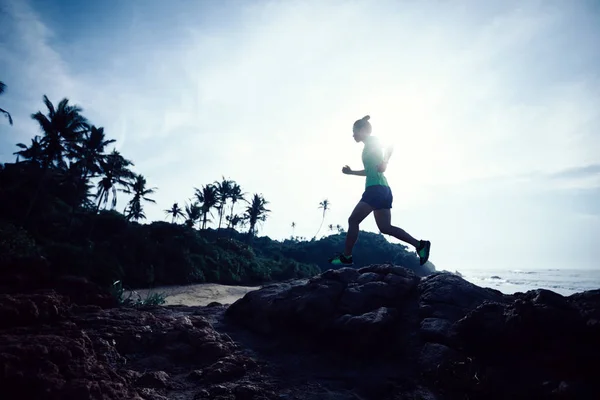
489, 105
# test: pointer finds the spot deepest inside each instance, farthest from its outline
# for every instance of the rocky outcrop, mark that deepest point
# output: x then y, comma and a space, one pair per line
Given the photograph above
541, 344
345, 308
378, 332
465, 341
53, 349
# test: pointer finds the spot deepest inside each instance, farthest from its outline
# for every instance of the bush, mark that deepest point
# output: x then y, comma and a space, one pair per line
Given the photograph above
15, 244
152, 299
68, 259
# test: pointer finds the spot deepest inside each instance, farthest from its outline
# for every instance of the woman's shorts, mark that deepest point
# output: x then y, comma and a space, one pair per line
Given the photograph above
378, 197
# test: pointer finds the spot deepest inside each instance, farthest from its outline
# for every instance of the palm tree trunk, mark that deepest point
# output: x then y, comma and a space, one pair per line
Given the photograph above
251, 233
95, 215
323, 219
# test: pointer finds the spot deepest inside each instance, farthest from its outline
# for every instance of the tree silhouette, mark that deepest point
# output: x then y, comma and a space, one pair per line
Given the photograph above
140, 192
207, 197
255, 212
33, 154
235, 195
114, 172
73, 189
234, 221
193, 213
293, 228
175, 212
325, 206
6, 113
62, 128
223, 192
89, 152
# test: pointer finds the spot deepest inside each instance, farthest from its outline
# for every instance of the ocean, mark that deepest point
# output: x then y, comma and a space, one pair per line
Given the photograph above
562, 281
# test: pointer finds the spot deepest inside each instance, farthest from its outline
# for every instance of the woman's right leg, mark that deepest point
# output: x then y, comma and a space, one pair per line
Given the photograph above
360, 212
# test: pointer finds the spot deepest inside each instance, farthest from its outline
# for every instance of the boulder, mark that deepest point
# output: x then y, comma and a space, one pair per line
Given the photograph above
51, 349
540, 337
451, 297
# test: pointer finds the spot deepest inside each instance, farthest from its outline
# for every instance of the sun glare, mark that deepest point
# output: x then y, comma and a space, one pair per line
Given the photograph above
402, 121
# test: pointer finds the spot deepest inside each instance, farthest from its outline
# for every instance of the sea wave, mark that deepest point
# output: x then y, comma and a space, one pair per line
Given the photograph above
565, 282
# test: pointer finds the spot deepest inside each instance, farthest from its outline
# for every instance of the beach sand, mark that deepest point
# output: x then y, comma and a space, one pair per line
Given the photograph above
197, 295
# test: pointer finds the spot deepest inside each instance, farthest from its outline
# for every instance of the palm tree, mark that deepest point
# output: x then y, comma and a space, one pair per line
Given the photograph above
193, 213
325, 206
140, 192
6, 113
63, 127
223, 190
89, 152
207, 197
339, 228
256, 212
175, 212
233, 221
114, 171
235, 195
33, 154
74, 189
331, 227
293, 228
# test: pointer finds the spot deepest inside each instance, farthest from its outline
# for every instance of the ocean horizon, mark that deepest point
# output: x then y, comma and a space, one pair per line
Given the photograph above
509, 281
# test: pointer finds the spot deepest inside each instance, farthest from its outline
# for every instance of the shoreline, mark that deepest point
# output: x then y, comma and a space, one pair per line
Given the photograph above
197, 294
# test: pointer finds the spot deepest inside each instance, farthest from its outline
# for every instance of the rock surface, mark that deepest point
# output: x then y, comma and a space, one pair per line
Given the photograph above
465, 341
52, 349
379, 332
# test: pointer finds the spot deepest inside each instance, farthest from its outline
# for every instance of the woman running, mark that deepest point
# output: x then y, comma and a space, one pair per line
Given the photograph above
377, 196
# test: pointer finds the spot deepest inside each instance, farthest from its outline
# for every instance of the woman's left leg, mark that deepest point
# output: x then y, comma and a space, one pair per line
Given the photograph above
383, 217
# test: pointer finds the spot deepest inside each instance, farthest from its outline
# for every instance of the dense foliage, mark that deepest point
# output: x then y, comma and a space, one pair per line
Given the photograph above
49, 208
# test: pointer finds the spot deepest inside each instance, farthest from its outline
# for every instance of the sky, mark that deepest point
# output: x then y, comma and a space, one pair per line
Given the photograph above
493, 110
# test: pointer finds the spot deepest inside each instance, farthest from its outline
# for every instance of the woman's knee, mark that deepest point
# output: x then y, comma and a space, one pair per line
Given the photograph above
354, 220
385, 229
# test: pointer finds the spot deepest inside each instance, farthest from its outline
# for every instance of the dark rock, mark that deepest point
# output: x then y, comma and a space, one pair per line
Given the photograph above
322, 303
439, 336
433, 355
539, 337
195, 375
116, 353
344, 275
288, 306
251, 392
368, 277
227, 369
371, 321
359, 299
31, 309
155, 379
451, 297
436, 330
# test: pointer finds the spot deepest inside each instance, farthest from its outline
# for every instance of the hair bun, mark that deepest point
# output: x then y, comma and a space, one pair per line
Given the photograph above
366, 118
